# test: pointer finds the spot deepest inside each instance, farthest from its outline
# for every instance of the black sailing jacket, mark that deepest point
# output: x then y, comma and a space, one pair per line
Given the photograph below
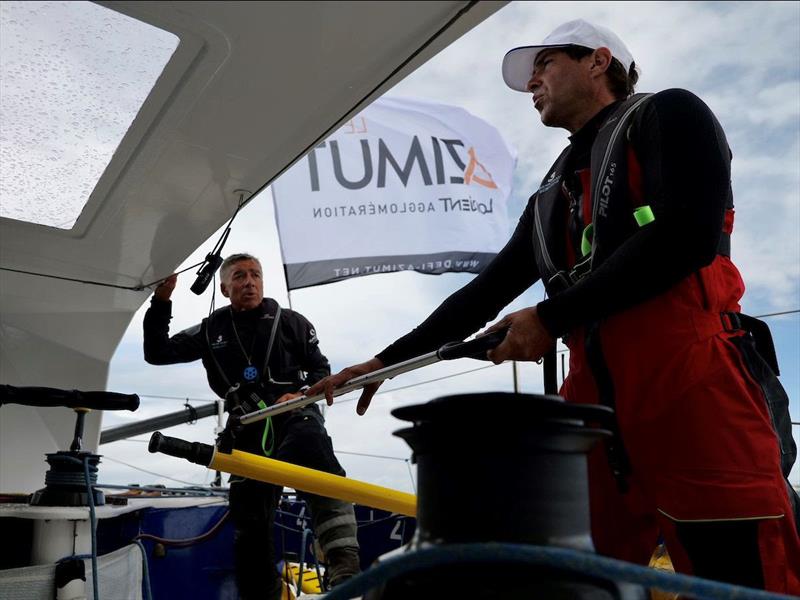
295, 359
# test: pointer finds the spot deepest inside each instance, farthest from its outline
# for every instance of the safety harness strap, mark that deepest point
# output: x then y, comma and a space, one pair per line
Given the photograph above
616, 453
275, 323
758, 354
238, 405
762, 337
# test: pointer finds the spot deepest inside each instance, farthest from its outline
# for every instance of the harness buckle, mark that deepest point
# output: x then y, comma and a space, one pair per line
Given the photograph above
731, 321
563, 280
581, 269
558, 283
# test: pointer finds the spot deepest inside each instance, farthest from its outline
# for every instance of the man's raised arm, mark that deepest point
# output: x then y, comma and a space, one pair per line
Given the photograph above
159, 348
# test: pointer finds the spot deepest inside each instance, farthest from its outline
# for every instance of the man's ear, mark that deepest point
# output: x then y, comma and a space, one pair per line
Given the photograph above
224, 289
601, 60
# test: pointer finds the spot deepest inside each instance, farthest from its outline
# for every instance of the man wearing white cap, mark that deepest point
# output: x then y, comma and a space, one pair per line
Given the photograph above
630, 233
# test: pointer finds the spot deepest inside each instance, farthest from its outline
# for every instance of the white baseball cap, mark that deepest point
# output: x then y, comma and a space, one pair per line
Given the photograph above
518, 62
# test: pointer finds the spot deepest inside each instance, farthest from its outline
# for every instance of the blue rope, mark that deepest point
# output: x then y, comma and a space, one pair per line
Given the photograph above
92, 525
563, 559
93, 522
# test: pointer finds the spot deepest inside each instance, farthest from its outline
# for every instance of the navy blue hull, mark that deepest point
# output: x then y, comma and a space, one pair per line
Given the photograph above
203, 569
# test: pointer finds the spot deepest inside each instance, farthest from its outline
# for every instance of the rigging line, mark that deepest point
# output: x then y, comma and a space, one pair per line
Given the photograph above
405, 387
562, 351
369, 455
405, 460
159, 281
378, 521
184, 398
107, 457
411, 475
133, 288
776, 314
342, 401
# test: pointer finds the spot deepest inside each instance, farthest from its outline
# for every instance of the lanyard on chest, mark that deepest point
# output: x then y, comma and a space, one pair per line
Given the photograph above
250, 373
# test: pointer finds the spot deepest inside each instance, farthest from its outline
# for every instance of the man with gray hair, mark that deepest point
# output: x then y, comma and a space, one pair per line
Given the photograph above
253, 347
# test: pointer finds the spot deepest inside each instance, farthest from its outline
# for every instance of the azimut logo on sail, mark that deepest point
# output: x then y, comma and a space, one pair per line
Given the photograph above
379, 163
406, 185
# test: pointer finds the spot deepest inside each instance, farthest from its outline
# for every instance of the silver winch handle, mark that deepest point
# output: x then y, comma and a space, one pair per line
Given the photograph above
475, 348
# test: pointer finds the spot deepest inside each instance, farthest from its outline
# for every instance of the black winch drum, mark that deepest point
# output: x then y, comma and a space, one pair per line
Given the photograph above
508, 468
503, 467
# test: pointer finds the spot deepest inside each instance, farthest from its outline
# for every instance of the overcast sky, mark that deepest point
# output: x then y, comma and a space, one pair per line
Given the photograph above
743, 59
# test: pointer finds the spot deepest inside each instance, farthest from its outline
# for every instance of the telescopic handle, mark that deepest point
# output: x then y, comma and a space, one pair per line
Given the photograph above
44, 396
476, 348
200, 454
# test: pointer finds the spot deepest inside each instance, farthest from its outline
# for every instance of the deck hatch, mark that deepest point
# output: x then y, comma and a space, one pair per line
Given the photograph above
73, 77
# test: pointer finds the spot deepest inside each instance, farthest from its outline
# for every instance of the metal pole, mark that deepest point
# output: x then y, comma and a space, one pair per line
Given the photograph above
516, 377
217, 430
474, 348
161, 422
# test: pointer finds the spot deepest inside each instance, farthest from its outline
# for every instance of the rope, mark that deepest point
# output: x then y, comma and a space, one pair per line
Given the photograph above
777, 314
93, 522
181, 543
132, 288
372, 455
573, 561
148, 472
286, 528
92, 525
390, 517
182, 398
405, 387
90, 477
411, 476
359, 524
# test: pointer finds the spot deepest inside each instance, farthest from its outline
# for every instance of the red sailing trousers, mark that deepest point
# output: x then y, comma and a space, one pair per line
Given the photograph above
695, 425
